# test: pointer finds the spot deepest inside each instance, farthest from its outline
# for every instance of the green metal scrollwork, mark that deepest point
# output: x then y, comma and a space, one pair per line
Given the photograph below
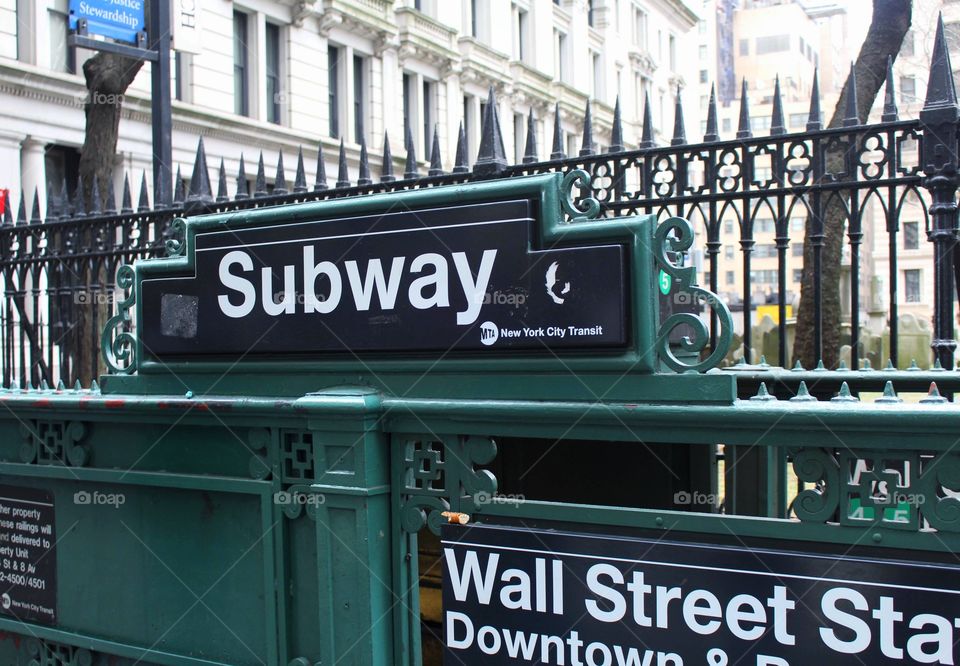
820, 503
590, 207
118, 346
442, 476
940, 510
174, 246
685, 281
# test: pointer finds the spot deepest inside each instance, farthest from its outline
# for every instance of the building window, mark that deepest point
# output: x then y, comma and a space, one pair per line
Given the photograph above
241, 64
672, 52
359, 96
773, 44
703, 54
744, 47
429, 115
731, 278
474, 23
560, 56
951, 30
590, 13
765, 250
518, 143
62, 57
797, 249
596, 75
911, 236
728, 227
640, 28
702, 27
333, 89
798, 275
274, 94
704, 76
521, 26
408, 102
728, 252
911, 285
908, 89
907, 46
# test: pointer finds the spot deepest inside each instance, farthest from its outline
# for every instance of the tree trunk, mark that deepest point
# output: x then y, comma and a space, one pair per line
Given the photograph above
108, 76
890, 22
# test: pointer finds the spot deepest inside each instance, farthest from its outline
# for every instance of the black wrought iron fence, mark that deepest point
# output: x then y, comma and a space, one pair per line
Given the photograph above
58, 269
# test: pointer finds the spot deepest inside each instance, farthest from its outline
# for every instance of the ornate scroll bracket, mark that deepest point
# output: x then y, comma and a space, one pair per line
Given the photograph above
587, 208
53, 443
893, 489
685, 280
118, 343
174, 246
438, 476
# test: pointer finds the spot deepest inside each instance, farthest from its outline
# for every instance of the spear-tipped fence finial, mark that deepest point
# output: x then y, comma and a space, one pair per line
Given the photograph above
941, 89
743, 129
890, 111
65, 203
35, 216
178, 194
343, 174
363, 178
243, 190
260, 188
200, 189
436, 165
300, 181
143, 203
126, 205
491, 157
851, 115
530, 149
280, 180
386, 168
222, 194
815, 117
410, 169
557, 152
712, 134
586, 146
320, 183
80, 209
110, 205
646, 134
95, 208
679, 131
7, 213
616, 134
22, 209
777, 125
461, 162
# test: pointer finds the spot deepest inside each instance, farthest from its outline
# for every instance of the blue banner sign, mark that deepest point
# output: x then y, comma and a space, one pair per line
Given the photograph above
115, 19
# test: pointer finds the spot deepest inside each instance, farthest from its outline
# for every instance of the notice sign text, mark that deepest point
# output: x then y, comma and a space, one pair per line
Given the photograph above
518, 596
28, 563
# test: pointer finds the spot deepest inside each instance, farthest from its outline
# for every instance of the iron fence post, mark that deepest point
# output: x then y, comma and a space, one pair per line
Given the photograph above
938, 120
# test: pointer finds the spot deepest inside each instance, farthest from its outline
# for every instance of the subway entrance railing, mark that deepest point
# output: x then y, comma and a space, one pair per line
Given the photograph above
304, 399
759, 206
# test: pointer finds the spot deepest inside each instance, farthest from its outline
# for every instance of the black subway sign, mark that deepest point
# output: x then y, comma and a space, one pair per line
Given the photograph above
518, 596
466, 277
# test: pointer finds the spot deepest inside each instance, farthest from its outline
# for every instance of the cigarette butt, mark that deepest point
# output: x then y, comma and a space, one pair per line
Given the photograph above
455, 517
